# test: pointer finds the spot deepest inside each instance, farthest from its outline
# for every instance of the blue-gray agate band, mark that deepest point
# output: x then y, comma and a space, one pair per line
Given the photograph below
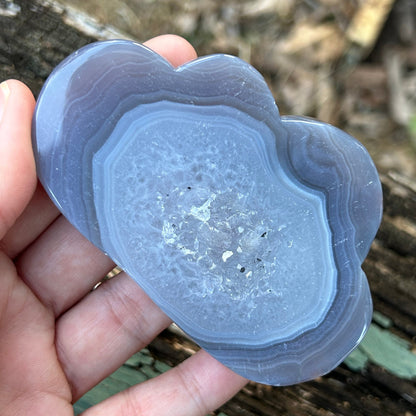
248, 229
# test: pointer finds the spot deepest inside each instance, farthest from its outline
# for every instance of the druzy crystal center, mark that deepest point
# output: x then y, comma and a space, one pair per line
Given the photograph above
205, 194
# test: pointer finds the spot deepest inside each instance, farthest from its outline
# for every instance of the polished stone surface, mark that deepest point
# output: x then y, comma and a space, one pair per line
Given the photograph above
248, 229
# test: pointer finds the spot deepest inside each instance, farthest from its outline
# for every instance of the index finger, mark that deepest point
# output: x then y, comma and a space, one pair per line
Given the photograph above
173, 48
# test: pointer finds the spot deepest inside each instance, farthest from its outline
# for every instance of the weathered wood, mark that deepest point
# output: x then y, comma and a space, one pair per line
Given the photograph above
391, 264
35, 36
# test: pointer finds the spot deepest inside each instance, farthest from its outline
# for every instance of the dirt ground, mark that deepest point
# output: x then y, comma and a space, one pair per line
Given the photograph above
350, 63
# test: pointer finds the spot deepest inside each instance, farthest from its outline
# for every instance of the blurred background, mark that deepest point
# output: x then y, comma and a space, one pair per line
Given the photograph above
351, 63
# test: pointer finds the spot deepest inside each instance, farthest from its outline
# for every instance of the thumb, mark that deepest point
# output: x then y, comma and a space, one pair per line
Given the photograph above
17, 166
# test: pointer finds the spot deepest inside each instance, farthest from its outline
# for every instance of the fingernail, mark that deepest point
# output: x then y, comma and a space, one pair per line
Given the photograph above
4, 95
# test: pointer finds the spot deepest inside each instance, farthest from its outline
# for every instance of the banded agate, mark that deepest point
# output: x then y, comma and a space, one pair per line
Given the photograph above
248, 229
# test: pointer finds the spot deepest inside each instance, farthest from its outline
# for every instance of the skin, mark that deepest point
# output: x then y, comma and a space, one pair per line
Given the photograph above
59, 339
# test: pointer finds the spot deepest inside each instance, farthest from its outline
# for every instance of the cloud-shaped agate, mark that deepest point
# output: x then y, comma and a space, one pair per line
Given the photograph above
246, 228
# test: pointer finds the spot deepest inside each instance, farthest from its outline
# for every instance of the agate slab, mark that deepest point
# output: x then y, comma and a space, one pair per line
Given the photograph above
248, 229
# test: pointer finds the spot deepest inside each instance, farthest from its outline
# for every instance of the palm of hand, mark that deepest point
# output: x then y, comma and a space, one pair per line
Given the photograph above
58, 339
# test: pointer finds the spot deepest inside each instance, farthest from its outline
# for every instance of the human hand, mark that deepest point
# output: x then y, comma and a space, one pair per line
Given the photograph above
59, 339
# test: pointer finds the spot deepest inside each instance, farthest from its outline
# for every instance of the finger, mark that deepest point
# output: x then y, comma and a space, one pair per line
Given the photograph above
27, 343
21, 221
97, 335
37, 216
175, 49
196, 387
17, 166
62, 266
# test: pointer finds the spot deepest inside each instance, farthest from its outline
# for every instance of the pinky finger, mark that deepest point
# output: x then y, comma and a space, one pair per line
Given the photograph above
196, 387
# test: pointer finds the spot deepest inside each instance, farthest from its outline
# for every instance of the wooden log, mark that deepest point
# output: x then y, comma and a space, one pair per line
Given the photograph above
36, 35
